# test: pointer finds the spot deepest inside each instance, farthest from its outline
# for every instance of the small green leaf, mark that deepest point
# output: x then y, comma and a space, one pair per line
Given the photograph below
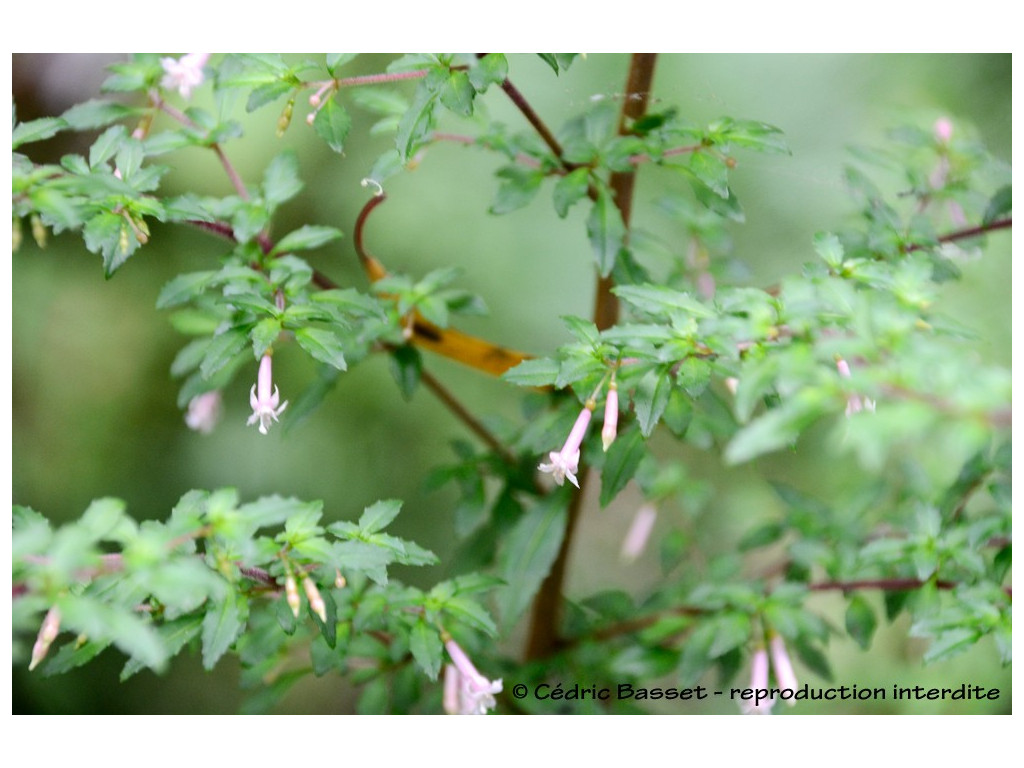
829, 249
406, 367
281, 179
332, 124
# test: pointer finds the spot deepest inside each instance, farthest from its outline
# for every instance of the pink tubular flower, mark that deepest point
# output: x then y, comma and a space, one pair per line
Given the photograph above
759, 685
264, 403
611, 416
639, 532
566, 462
185, 73
204, 412
466, 691
784, 674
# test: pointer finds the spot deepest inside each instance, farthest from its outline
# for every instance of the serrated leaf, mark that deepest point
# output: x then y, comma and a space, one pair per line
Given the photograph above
570, 189
332, 124
528, 552
860, 620
221, 627
620, 463
778, 428
174, 635
606, 232
458, 92
36, 130
651, 398
1000, 204
281, 179
425, 645
533, 373
379, 515
518, 187
323, 346
306, 237
221, 350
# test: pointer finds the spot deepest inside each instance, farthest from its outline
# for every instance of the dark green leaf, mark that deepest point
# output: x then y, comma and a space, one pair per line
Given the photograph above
518, 187
528, 552
1000, 205
457, 93
406, 366
860, 620
620, 463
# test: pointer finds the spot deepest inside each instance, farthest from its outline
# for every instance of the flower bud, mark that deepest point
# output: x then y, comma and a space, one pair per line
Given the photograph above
286, 117
316, 602
38, 230
339, 580
291, 591
47, 634
611, 415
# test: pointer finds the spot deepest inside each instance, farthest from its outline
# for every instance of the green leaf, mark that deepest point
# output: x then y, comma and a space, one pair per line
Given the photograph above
529, 550
658, 299
406, 367
457, 93
281, 179
829, 249
102, 621
570, 189
332, 124
860, 620
518, 188
540, 372
379, 515
95, 113
425, 645
778, 428
951, 643
305, 238
36, 130
415, 124
221, 350
492, 69
174, 635
606, 232
184, 288
323, 346
620, 464
559, 62
221, 627
651, 398
264, 334
999, 205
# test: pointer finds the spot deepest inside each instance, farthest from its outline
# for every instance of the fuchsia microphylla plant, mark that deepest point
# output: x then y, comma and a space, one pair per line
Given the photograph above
704, 370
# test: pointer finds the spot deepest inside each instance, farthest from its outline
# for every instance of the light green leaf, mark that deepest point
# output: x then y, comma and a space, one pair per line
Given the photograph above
306, 237
332, 124
620, 464
606, 232
379, 515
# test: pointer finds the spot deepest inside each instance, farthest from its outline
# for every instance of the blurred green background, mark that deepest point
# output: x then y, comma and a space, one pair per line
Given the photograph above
94, 409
